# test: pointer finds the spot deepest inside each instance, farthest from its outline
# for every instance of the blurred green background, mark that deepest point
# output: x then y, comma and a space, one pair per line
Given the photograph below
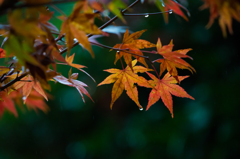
207, 127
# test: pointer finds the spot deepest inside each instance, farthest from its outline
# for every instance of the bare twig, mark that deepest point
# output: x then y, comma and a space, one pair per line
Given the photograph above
24, 5
147, 14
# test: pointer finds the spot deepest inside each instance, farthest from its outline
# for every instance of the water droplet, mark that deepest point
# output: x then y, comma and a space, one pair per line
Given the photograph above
163, 4
12, 69
117, 51
170, 11
146, 15
24, 98
141, 109
44, 54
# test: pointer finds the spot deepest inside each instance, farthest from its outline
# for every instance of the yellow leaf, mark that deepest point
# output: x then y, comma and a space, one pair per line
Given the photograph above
125, 79
81, 36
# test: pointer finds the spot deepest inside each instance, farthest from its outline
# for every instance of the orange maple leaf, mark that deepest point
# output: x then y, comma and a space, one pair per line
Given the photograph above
34, 101
163, 88
77, 25
69, 61
71, 81
125, 79
7, 103
132, 45
27, 84
225, 10
172, 59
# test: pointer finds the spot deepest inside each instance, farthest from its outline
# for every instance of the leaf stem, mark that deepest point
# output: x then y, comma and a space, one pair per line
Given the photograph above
153, 67
121, 63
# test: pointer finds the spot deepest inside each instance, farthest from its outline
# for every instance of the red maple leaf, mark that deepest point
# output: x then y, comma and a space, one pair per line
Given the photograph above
163, 88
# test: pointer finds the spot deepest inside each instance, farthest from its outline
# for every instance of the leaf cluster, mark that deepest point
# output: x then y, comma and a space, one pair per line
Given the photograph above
33, 47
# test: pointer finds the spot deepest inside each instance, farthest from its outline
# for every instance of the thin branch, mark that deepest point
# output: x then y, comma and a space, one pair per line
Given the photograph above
126, 51
147, 14
121, 63
114, 18
3, 77
107, 47
64, 50
150, 52
13, 81
123, 50
24, 5
153, 67
101, 27
58, 10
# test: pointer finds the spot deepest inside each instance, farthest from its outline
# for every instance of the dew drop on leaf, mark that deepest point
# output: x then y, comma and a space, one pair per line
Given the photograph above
170, 11
24, 98
117, 51
141, 109
146, 15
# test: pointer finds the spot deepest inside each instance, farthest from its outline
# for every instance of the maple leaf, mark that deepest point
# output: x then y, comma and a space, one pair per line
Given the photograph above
7, 103
125, 79
1, 1
132, 45
172, 59
225, 10
44, 21
114, 7
2, 53
163, 88
171, 6
69, 61
27, 84
77, 25
4, 70
71, 81
34, 101
30, 29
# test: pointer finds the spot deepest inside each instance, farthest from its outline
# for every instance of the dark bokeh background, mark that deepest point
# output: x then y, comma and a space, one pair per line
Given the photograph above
207, 127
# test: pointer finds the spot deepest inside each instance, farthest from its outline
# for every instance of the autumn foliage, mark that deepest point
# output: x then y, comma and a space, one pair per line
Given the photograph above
33, 47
